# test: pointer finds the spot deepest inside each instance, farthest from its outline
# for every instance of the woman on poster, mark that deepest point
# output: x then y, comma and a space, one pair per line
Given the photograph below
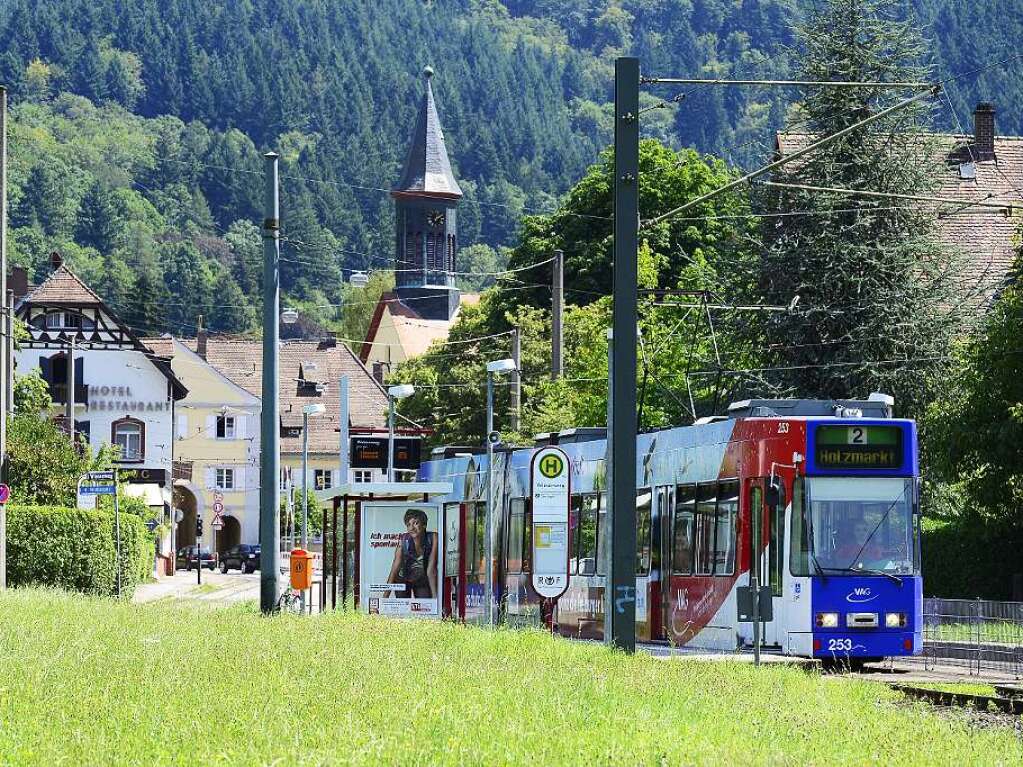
415, 559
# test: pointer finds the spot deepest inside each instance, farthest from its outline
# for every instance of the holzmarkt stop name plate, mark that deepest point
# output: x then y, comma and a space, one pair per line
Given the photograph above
550, 488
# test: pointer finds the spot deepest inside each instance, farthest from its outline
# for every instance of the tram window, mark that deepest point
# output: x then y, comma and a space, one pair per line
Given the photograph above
777, 562
574, 511
470, 533
799, 561
603, 536
724, 537
513, 540
588, 536
706, 498
685, 507
643, 499
480, 530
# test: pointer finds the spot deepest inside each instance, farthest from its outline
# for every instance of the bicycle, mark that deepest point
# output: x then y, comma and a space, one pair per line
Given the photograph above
290, 601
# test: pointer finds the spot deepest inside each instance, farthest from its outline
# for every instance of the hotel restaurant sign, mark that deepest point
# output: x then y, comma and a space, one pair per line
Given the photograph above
120, 399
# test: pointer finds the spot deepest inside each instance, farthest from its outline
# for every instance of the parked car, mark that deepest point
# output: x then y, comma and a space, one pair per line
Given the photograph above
187, 557
244, 556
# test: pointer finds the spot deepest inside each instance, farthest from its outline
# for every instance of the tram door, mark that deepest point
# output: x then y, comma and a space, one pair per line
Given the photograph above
660, 590
453, 589
767, 514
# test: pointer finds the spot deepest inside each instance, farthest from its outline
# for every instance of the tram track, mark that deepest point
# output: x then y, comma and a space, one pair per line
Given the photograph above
948, 698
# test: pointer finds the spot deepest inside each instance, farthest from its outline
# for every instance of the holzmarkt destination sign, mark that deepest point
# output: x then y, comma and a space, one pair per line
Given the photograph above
551, 490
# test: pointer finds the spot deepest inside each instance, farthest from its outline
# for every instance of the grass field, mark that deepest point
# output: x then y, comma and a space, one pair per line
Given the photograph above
91, 681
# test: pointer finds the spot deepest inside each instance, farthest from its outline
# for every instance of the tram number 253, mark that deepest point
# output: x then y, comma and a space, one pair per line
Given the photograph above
840, 645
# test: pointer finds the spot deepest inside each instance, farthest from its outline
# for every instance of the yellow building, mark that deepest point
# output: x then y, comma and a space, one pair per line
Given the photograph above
216, 433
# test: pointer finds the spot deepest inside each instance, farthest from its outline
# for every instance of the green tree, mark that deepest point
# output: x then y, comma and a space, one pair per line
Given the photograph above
31, 394
98, 225
874, 285
43, 464
974, 432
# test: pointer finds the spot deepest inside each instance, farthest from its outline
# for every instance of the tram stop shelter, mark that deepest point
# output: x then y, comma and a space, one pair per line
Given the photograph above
400, 551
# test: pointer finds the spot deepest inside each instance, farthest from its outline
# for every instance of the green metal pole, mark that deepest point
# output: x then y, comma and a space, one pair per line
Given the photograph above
620, 607
269, 464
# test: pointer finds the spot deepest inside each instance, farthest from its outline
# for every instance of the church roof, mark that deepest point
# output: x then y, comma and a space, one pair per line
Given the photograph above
63, 287
427, 169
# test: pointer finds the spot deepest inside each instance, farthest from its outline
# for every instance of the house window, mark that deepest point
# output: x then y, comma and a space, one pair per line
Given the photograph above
225, 427
321, 479
68, 321
225, 479
129, 434
362, 475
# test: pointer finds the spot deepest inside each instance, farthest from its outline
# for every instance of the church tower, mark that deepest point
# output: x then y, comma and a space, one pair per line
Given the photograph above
426, 223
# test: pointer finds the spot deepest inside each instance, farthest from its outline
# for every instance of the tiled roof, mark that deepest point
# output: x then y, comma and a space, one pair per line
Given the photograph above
415, 333
241, 361
984, 236
62, 287
427, 168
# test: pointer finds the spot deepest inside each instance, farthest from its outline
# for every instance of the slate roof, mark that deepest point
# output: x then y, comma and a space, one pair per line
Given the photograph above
985, 236
63, 287
241, 361
427, 170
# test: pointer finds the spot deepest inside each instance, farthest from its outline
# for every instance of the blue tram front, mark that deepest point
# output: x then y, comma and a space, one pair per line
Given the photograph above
818, 499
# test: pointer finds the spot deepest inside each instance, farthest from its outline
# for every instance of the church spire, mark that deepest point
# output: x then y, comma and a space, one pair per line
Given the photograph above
427, 171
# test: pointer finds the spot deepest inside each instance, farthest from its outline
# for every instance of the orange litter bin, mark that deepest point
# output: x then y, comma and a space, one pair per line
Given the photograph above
301, 569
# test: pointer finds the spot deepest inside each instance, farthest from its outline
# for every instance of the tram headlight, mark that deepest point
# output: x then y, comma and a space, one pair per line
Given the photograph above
827, 620
894, 620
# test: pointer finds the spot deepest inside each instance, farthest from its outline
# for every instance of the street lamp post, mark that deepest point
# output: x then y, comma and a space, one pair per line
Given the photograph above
493, 368
401, 391
307, 411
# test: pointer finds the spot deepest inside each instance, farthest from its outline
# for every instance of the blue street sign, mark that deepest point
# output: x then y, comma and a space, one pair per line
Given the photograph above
97, 489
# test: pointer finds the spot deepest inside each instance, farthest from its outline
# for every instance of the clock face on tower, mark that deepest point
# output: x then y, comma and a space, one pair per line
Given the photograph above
435, 218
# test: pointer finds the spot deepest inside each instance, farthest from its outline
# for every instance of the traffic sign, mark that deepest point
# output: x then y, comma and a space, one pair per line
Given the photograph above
218, 524
550, 491
5, 493
97, 490
217, 507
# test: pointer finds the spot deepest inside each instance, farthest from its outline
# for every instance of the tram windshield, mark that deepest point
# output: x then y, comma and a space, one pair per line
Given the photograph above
854, 525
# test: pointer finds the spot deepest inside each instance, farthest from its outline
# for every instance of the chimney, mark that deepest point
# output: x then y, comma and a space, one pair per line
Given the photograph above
984, 131
56, 260
200, 339
17, 283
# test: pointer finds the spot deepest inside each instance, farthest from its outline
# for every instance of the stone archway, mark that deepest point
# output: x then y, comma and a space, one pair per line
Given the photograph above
229, 535
185, 502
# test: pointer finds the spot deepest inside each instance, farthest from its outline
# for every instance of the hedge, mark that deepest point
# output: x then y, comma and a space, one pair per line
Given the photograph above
75, 549
970, 557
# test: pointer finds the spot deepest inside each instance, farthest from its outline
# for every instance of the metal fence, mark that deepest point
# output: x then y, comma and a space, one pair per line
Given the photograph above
981, 636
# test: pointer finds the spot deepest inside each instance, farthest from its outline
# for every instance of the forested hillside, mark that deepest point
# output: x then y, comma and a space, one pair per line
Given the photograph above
139, 124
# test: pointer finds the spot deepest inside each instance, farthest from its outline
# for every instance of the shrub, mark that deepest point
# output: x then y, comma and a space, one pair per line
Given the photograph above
75, 549
971, 557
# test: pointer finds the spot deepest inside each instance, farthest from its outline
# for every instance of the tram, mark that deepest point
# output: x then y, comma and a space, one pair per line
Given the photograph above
818, 499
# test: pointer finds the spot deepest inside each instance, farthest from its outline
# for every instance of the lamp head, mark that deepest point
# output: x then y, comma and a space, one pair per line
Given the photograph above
316, 409
501, 366
401, 391
289, 316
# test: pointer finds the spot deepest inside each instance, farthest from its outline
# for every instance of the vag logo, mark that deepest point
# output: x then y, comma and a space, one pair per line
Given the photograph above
860, 594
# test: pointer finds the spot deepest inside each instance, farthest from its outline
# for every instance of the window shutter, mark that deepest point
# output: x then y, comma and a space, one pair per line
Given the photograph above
211, 478
239, 479
46, 369
240, 423
211, 427
335, 476
182, 426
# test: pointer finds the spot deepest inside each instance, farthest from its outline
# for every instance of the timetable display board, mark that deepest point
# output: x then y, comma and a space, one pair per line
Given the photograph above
859, 446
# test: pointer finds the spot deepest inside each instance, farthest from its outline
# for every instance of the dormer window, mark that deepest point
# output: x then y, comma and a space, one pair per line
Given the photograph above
67, 320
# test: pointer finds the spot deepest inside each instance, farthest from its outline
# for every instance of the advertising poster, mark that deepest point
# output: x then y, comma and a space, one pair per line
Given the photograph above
401, 559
